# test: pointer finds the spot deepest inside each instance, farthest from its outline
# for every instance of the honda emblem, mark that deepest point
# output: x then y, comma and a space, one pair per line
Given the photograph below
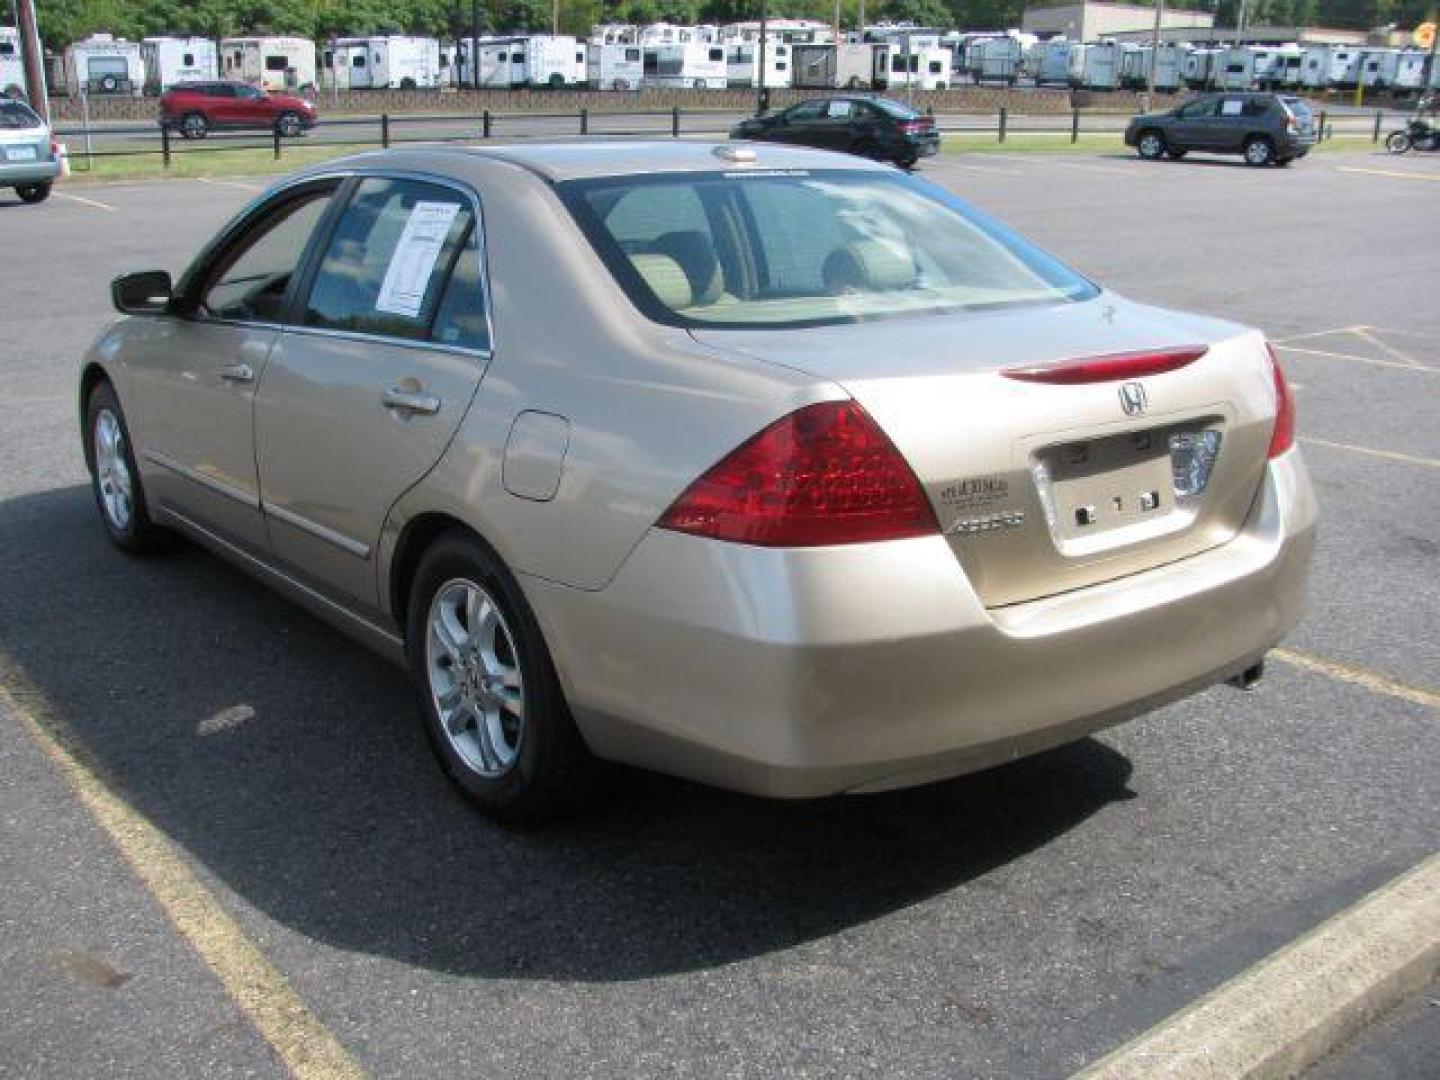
1132, 398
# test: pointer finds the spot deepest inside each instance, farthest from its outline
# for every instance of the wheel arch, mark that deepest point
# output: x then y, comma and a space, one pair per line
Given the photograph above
415, 538
92, 376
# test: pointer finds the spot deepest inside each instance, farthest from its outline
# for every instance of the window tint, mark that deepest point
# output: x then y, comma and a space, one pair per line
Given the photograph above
1198, 110
1255, 107
385, 265
840, 110
250, 280
806, 110
16, 114
460, 319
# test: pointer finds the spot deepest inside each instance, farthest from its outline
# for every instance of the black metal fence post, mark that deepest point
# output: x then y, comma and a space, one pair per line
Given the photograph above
1004, 121
485, 124
1074, 125
165, 146
1320, 135
675, 122
275, 135
385, 130
584, 120
1379, 119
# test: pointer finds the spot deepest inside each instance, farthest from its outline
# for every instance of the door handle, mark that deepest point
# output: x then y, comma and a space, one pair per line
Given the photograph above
409, 401
237, 373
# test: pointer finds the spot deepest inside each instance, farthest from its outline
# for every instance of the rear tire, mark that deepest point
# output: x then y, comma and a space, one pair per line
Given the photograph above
1259, 151
1150, 145
1398, 142
114, 479
489, 699
34, 193
194, 126
288, 125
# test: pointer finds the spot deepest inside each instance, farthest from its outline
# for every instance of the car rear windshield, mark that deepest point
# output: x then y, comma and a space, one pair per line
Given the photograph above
894, 108
1298, 108
15, 114
801, 248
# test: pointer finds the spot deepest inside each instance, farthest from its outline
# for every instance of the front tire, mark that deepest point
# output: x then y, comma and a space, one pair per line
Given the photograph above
288, 125
114, 479
1259, 152
194, 126
1150, 145
34, 193
489, 699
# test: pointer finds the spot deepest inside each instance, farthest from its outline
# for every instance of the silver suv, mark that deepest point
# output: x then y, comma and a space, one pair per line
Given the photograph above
29, 161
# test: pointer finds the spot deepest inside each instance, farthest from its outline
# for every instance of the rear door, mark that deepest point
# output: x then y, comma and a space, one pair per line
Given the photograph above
1232, 124
364, 392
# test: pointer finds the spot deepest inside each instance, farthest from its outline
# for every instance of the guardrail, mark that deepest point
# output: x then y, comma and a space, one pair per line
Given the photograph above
387, 129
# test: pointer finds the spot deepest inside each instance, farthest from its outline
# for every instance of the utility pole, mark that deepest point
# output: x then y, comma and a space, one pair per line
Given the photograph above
762, 99
475, 44
554, 18
32, 58
1155, 46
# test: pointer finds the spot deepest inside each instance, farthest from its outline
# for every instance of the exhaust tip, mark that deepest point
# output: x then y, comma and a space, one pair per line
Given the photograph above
1249, 678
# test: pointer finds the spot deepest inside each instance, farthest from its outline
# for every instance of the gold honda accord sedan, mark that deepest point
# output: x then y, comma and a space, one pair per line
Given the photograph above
768, 467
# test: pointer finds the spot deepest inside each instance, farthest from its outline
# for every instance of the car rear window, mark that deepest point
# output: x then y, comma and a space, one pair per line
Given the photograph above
1298, 108
803, 248
16, 114
894, 108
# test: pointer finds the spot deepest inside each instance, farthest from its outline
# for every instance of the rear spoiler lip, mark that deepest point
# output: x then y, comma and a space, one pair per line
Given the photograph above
1109, 367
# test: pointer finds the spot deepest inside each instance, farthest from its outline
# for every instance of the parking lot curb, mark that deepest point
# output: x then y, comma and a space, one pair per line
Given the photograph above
1300, 1003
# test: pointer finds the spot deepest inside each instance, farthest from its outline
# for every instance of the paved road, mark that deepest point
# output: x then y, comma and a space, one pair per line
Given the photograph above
132, 136
1019, 922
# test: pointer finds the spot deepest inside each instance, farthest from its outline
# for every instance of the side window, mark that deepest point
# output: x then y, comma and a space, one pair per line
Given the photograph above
1198, 110
249, 281
806, 110
388, 260
840, 110
1256, 107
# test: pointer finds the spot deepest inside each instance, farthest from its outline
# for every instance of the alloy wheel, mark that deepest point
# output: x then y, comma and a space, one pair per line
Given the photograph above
112, 474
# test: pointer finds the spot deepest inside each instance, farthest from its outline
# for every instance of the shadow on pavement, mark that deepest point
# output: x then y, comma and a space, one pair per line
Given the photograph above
288, 762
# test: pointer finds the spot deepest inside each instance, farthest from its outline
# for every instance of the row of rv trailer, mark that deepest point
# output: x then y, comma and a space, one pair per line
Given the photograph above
798, 53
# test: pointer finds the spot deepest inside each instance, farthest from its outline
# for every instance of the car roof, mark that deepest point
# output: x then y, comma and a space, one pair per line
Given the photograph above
591, 159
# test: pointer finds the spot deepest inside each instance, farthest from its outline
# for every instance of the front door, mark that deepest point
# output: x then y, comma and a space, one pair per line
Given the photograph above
196, 374
364, 392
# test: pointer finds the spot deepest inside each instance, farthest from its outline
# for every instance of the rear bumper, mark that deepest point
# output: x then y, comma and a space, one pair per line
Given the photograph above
803, 673
28, 172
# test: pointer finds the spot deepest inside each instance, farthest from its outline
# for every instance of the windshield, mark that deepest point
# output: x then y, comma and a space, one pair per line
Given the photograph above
15, 114
802, 248
894, 108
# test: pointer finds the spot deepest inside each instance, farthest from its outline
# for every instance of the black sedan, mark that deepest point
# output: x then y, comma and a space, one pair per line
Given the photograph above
871, 127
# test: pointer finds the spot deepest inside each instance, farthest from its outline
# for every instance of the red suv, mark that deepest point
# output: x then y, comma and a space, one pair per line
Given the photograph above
193, 109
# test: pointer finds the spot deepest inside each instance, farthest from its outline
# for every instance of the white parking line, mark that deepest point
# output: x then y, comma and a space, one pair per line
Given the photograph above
229, 183
1364, 334
1374, 362
987, 169
1388, 455
1432, 177
96, 203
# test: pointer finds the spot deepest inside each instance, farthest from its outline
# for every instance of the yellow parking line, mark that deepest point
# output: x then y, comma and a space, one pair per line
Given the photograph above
1388, 455
303, 1043
1372, 361
96, 203
1364, 334
1359, 676
1433, 177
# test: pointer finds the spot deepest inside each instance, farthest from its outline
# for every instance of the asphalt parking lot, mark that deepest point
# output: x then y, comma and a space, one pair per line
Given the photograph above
1021, 922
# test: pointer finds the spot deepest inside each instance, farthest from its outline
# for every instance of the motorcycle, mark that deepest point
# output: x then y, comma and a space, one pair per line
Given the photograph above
1420, 133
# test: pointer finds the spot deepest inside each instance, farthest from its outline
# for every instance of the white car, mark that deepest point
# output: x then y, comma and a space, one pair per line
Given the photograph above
29, 155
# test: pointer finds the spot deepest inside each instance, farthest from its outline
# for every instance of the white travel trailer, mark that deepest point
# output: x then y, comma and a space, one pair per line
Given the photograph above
12, 69
1049, 62
742, 63
1100, 66
789, 31
614, 34
849, 64
1200, 68
272, 63
915, 60
1135, 62
391, 62
1285, 72
1379, 68
1327, 66
1410, 68
525, 60
171, 60
104, 66
614, 66
557, 60
993, 59
698, 65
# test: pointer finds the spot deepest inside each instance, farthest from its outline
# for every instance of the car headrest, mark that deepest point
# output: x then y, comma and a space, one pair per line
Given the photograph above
695, 253
666, 280
872, 265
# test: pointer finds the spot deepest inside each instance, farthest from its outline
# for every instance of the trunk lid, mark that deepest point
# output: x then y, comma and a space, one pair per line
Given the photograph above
1042, 488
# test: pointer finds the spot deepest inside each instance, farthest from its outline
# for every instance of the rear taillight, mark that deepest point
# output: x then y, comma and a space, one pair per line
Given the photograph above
1129, 365
1283, 437
915, 127
825, 474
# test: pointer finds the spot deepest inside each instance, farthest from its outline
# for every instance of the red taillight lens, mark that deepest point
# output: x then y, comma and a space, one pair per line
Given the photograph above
1129, 365
1283, 437
825, 474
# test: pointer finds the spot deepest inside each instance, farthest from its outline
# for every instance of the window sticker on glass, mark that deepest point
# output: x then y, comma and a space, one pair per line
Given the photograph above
408, 276
1231, 108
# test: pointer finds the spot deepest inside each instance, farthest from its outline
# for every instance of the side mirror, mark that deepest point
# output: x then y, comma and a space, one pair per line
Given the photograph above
145, 293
